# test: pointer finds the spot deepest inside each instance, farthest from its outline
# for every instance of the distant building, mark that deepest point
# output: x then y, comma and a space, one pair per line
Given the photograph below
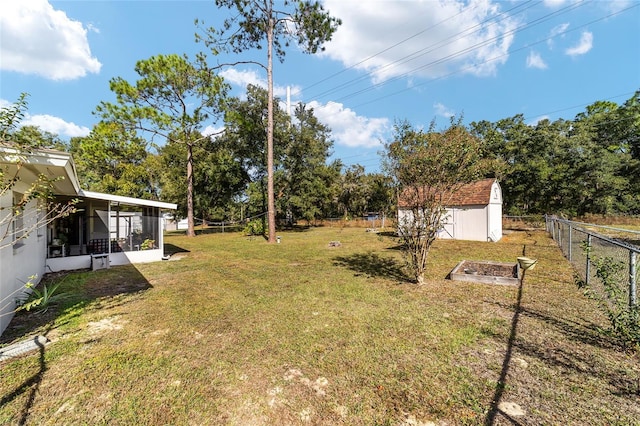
473, 213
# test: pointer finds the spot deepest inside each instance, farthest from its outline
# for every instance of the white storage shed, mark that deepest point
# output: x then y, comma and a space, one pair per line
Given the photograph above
473, 213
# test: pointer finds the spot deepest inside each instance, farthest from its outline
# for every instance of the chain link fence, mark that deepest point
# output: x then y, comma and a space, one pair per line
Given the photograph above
588, 251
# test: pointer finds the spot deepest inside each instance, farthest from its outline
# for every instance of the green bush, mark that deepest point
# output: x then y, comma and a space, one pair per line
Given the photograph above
624, 319
255, 227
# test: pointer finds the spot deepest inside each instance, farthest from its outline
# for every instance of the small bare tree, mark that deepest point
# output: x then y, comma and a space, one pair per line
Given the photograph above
428, 169
17, 222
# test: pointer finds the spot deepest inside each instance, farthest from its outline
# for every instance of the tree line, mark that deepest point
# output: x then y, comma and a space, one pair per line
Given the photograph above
229, 168
588, 165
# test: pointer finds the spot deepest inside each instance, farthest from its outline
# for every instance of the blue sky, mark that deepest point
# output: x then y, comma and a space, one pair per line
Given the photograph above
390, 60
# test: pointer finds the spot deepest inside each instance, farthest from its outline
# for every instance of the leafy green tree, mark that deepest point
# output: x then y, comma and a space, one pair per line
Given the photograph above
606, 156
380, 194
629, 119
174, 99
246, 130
302, 182
218, 177
353, 192
586, 165
428, 169
507, 141
114, 160
258, 23
33, 136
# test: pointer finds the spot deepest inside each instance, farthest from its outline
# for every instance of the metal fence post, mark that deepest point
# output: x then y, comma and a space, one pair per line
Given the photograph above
632, 279
560, 231
588, 269
570, 244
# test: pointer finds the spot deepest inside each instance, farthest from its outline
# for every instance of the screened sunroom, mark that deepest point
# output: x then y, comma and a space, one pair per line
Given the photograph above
105, 230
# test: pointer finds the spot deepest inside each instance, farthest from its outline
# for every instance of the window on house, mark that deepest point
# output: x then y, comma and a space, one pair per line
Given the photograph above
18, 217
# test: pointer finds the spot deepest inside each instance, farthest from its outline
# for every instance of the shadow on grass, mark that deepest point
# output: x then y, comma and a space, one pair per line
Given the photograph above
31, 385
373, 265
558, 356
590, 334
494, 410
219, 229
171, 249
80, 289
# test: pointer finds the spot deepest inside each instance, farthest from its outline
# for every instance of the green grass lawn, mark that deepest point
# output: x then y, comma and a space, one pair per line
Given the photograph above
240, 332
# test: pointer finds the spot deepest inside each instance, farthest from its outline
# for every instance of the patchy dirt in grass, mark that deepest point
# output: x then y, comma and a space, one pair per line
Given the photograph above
353, 344
105, 325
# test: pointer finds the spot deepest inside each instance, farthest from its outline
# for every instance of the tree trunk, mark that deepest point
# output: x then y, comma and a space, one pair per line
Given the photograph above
271, 210
190, 222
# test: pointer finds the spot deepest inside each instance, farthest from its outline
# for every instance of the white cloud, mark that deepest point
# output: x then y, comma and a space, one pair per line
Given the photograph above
349, 129
534, 60
36, 39
584, 45
243, 78
212, 130
49, 123
617, 5
429, 39
558, 30
554, 4
443, 111
55, 125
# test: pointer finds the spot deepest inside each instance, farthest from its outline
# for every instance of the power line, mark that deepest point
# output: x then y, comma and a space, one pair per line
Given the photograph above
412, 56
464, 52
487, 61
454, 55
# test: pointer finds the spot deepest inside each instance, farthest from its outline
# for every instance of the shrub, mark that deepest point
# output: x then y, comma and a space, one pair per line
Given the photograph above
624, 319
255, 227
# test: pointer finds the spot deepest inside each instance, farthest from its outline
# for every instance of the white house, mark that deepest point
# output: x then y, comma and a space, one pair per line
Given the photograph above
101, 230
473, 213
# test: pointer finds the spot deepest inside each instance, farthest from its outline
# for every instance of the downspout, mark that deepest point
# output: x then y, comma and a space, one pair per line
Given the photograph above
160, 229
109, 230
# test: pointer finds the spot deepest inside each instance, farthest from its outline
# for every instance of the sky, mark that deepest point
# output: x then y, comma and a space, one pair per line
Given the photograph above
389, 61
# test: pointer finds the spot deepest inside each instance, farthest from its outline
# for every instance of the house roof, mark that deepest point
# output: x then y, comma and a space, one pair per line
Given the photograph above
48, 162
59, 164
126, 200
476, 193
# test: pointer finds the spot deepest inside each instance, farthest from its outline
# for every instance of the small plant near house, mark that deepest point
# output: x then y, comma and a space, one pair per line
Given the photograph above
41, 299
148, 244
624, 319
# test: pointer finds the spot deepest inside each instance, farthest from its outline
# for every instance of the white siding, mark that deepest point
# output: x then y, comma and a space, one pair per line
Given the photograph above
475, 223
21, 261
471, 223
495, 213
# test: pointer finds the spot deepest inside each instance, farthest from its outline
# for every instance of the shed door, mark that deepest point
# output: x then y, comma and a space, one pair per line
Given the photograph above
449, 229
